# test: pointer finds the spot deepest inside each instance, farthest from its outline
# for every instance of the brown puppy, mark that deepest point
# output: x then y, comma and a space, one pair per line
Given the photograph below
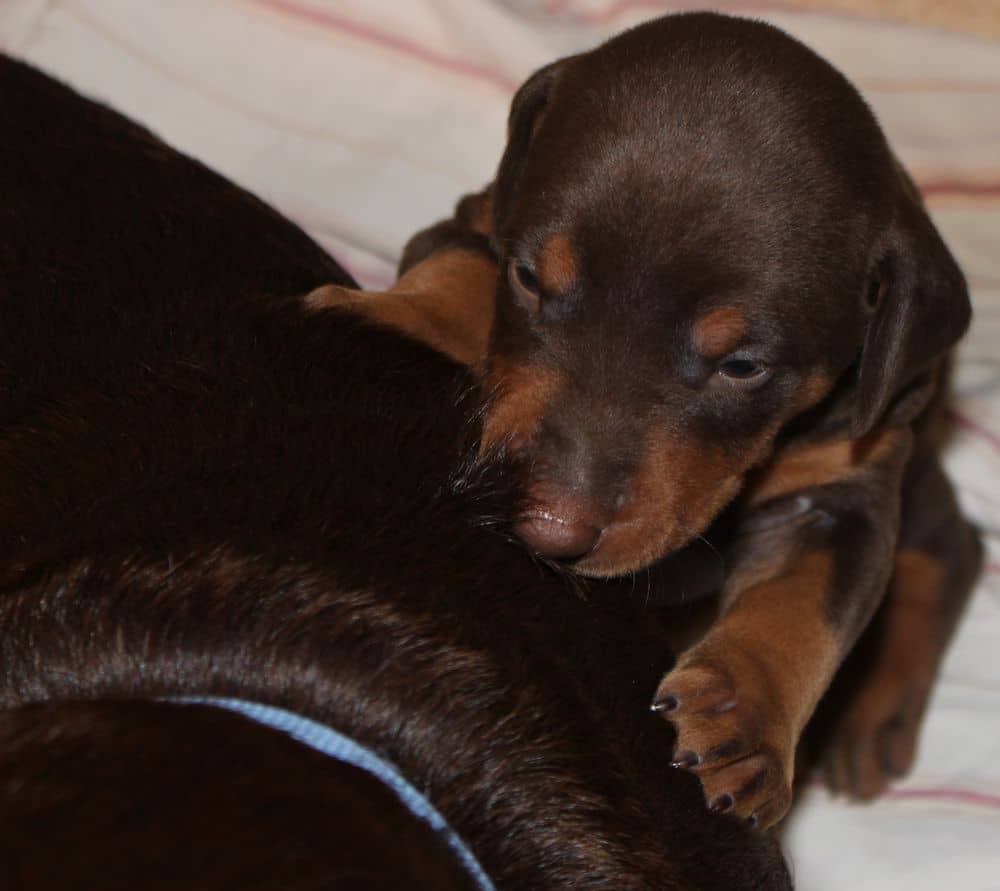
723, 310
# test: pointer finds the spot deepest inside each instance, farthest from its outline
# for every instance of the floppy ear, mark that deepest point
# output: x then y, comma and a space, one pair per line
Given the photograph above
526, 111
922, 309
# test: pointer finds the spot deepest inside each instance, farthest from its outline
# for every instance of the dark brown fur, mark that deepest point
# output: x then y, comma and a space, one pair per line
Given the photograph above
698, 200
212, 485
259, 810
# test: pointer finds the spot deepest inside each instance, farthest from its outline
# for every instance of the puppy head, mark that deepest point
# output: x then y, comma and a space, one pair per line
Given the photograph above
702, 233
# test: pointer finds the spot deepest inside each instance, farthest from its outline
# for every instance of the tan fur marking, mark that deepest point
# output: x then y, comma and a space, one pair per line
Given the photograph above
326, 296
681, 484
519, 396
719, 331
785, 617
804, 467
812, 392
780, 624
678, 488
446, 302
744, 693
558, 267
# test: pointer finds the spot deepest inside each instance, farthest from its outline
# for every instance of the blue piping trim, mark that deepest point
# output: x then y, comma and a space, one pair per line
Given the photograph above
330, 742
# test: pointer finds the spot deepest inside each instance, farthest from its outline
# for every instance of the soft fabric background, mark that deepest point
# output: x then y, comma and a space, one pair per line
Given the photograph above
363, 120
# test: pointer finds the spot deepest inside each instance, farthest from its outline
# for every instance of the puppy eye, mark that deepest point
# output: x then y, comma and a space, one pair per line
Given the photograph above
743, 372
524, 285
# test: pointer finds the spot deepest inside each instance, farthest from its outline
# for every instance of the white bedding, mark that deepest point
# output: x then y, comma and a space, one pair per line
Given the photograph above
363, 120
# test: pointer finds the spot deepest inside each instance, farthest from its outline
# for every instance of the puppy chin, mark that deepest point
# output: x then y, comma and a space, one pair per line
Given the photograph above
635, 540
623, 549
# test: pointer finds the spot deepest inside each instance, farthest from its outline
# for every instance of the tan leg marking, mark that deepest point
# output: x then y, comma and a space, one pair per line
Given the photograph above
805, 467
446, 302
741, 697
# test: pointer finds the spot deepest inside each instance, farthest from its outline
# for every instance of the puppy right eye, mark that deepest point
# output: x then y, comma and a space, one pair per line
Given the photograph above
524, 285
744, 374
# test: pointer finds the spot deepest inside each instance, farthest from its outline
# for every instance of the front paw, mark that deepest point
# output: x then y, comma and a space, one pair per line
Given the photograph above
728, 733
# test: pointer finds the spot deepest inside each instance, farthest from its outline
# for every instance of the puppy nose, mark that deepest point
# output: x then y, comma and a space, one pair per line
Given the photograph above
556, 537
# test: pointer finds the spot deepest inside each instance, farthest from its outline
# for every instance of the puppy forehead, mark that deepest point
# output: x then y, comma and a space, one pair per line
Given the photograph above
653, 99
639, 272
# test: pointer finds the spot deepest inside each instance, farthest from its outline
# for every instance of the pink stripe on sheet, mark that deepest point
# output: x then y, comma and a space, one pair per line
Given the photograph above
958, 187
952, 794
927, 85
958, 796
464, 68
966, 423
618, 8
387, 41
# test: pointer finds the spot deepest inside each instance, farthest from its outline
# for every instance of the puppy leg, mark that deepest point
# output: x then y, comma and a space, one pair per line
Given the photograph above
889, 678
807, 572
740, 697
445, 295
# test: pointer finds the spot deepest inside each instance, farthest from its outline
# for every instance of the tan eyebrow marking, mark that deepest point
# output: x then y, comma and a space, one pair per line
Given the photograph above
558, 265
719, 331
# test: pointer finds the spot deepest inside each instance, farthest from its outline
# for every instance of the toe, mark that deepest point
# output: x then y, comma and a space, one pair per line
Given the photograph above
695, 689
755, 788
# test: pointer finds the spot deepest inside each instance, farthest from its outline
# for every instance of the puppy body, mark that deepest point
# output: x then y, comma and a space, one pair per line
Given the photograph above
212, 485
722, 310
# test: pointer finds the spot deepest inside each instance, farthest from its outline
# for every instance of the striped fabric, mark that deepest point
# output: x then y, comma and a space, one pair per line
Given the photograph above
363, 120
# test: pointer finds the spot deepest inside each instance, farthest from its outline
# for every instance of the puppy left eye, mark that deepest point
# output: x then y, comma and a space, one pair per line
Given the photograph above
524, 285
743, 373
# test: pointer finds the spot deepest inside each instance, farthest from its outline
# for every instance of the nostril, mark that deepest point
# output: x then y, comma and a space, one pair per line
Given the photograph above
557, 537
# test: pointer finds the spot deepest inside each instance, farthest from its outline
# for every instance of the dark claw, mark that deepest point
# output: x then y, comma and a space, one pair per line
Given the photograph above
667, 704
685, 759
722, 804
